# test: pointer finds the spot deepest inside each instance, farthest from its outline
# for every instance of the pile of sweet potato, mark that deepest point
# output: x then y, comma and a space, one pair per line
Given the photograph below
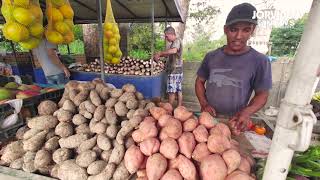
173, 144
84, 136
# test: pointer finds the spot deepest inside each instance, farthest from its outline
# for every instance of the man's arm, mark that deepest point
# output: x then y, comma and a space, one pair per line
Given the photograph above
200, 92
55, 60
165, 53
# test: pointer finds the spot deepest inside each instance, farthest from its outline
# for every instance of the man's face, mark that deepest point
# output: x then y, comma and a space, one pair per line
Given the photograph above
169, 37
238, 35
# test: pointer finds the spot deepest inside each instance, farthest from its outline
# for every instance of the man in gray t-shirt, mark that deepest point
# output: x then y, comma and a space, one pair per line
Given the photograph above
228, 76
173, 66
54, 70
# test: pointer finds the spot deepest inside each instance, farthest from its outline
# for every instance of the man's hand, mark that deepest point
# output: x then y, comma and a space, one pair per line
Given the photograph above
66, 72
156, 56
207, 108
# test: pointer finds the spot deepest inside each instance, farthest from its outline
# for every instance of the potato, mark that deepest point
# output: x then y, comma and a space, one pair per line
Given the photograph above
117, 154
52, 144
87, 144
64, 129
64, 116
83, 129
139, 96
36, 142
30, 133
69, 170
78, 119
43, 158
89, 106
95, 98
21, 131
121, 173
12, 152
112, 131
47, 107
126, 96
105, 174
121, 109
68, 105
85, 158
43, 122
129, 88
96, 167
116, 93
111, 102
17, 164
103, 142
72, 141
80, 97
111, 116
61, 155
105, 155
99, 113
99, 127
132, 104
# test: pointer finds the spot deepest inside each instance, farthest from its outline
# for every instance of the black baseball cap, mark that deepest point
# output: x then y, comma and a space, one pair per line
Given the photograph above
242, 13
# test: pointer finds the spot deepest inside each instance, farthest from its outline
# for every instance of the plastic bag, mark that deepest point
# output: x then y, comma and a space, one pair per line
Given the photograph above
23, 22
13, 118
60, 22
111, 40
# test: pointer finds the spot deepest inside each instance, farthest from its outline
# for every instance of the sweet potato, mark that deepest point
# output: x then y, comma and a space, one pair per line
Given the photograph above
104, 93
201, 134
157, 112
147, 129
130, 113
112, 131
172, 174
63, 115
68, 105
52, 144
89, 106
169, 148
149, 106
186, 168
164, 119
221, 128
12, 152
190, 124
72, 141
213, 167
234, 145
99, 113
95, 98
103, 142
142, 104
182, 113
129, 88
200, 151
142, 172
50, 134
116, 93
139, 96
17, 164
98, 127
21, 131
141, 112
105, 155
54, 171
218, 143
111, 116
127, 128
69, 170
84, 159
87, 144
126, 97
35, 143
42, 159
64, 129
83, 129
28, 162
173, 129
30, 133
167, 106
133, 159
78, 119
244, 165
61, 155
149, 146
86, 114
47, 107
207, 120
105, 174
121, 109
117, 153
121, 173
111, 102
80, 97
132, 104
239, 175
232, 159
187, 144
156, 166
96, 167
43, 122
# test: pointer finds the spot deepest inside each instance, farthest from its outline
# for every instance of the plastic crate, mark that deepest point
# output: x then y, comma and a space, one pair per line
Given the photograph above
53, 95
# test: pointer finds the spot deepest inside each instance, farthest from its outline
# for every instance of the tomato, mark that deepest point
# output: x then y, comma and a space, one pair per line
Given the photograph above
260, 130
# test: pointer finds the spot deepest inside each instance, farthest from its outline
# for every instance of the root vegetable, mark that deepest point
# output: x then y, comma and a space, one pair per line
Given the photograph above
99, 113
30, 133
54, 171
121, 173
172, 174
35, 143
67, 171
132, 104
213, 167
117, 153
142, 173
52, 144
21, 131
116, 93
121, 109
130, 113
139, 96
186, 168
173, 129
164, 119
129, 141
12, 152
232, 159
111, 116
89, 106
17, 164
156, 166
169, 148
29, 167
218, 143
126, 96
133, 159
95, 98
47, 107
68, 105
105, 155
147, 129
85, 158
63, 115
112, 131
42, 159
99, 128
187, 144
221, 128
50, 134
72, 141
239, 175
141, 112
61, 155
103, 142
244, 165
201, 134
157, 112
78, 119
129, 88
87, 144
190, 124
182, 113
64, 129
80, 97
167, 106
149, 146
207, 120
127, 128
96, 167
105, 174
149, 106
43, 122
200, 151
104, 93
83, 129
111, 102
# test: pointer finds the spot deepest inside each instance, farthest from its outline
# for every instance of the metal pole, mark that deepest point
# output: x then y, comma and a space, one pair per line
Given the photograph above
152, 36
296, 119
68, 48
100, 33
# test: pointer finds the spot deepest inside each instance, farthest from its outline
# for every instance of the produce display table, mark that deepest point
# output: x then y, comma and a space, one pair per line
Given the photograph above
149, 86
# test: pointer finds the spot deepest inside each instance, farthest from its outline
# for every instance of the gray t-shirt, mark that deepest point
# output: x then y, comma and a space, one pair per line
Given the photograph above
231, 79
49, 68
174, 63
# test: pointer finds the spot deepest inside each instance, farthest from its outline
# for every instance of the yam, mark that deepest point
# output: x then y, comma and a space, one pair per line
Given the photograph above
157, 112
61, 155
142, 104
68, 105
133, 159
239, 175
222, 129
121, 173
129, 142
127, 128
149, 106
103, 142
141, 112
87, 144
129, 88
121, 109
139, 96
89, 106
112, 131
95, 98
52, 144
186, 168
169, 148
47, 107
35, 143
156, 166
12, 152
105, 155
72, 141
64, 116
116, 93
21, 131
244, 165
42, 159
78, 119
104, 93
84, 159
111, 116
54, 171
83, 129
50, 134
96, 167
130, 113
187, 144
105, 174
126, 97
167, 106
69, 170
17, 164
64, 129
99, 113
117, 154
30, 133
147, 129
99, 128
201, 134
164, 119
173, 129
132, 104
43, 122
213, 167
80, 97
111, 102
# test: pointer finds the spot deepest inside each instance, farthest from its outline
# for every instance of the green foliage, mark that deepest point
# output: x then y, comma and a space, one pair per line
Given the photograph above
196, 50
76, 47
140, 54
78, 33
285, 40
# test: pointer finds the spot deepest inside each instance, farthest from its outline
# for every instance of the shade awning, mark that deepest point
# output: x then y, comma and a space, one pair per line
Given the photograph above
125, 11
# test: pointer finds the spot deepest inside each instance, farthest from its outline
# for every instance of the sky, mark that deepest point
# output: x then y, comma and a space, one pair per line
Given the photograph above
286, 9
